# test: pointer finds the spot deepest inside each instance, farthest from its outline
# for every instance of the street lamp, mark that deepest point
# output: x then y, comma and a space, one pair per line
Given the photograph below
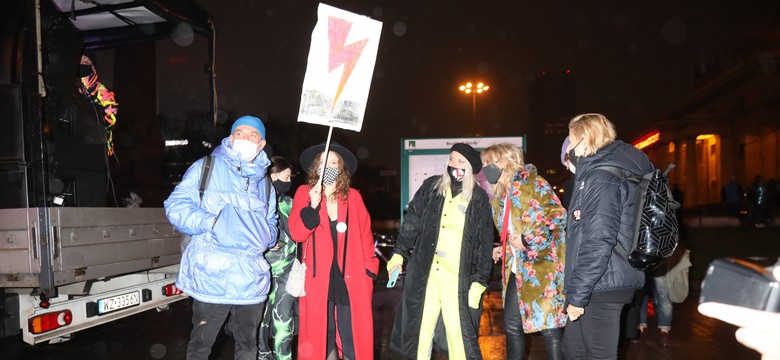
469, 88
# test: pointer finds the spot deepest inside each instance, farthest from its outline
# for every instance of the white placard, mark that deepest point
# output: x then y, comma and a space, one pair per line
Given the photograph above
341, 63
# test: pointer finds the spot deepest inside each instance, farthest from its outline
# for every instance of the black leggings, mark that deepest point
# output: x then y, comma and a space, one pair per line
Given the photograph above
344, 330
513, 326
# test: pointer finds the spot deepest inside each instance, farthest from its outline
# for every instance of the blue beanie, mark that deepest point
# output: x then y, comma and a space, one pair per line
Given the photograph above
249, 120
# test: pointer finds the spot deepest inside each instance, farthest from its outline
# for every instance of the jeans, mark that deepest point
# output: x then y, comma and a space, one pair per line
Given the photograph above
663, 306
207, 320
513, 327
595, 335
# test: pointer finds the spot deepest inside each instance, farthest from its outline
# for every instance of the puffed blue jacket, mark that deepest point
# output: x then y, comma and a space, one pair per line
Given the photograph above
231, 227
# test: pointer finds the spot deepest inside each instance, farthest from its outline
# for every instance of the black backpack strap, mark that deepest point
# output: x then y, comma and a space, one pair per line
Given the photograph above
268, 185
620, 173
612, 170
669, 168
205, 174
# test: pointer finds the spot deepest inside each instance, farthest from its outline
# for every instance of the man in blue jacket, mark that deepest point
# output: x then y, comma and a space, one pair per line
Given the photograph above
231, 225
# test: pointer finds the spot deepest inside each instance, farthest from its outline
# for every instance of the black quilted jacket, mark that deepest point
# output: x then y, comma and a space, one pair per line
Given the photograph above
601, 217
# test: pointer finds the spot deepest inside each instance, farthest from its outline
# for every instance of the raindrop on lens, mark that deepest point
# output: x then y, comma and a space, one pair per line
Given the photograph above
362, 153
183, 35
674, 32
399, 28
483, 67
157, 351
100, 347
147, 29
768, 63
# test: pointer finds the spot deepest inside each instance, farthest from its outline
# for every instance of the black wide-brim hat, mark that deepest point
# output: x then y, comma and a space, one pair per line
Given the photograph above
308, 156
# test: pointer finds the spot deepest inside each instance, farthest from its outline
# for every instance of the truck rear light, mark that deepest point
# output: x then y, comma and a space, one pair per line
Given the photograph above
50, 321
170, 290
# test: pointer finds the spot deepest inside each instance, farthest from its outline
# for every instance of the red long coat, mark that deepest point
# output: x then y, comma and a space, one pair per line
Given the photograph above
361, 260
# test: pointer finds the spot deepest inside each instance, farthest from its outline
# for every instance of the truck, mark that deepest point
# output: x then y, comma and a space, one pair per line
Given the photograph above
70, 258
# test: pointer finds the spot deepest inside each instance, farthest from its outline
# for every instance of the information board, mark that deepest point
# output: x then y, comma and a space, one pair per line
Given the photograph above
423, 158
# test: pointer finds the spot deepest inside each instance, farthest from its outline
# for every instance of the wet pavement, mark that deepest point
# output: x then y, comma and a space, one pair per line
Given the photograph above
164, 335
694, 336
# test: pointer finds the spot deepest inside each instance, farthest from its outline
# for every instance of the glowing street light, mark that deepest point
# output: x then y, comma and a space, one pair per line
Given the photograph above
469, 88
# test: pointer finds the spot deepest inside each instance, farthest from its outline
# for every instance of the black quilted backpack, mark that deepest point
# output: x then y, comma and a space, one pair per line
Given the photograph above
656, 232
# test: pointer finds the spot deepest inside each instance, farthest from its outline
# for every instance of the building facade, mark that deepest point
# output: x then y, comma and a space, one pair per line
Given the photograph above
727, 127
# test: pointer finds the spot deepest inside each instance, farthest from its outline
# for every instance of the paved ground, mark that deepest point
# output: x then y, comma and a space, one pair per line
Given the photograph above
153, 335
694, 336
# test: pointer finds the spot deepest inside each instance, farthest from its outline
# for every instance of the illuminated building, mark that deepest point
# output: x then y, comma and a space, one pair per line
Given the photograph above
728, 126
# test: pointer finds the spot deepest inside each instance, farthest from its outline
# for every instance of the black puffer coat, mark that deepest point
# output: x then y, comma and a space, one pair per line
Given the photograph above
600, 218
417, 241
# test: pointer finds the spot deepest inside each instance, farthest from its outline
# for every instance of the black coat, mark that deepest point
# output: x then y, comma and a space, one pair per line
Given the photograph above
601, 216
417, 241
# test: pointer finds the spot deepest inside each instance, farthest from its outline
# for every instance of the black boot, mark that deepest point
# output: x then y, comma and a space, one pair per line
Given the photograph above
552, 339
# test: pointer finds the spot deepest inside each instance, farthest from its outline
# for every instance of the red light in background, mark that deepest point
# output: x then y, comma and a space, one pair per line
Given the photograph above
568, 72
648, 139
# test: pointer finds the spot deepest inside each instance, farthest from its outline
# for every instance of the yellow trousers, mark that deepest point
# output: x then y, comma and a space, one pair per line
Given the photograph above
441, 298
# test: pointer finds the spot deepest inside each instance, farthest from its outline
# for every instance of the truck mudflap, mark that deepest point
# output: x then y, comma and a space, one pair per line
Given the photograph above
65, 316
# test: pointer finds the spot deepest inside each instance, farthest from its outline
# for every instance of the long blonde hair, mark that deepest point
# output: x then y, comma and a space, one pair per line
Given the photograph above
342, 181
444, 183
594, 130
512, 158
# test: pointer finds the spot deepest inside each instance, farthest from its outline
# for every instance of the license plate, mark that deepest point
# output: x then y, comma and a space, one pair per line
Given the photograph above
118, 302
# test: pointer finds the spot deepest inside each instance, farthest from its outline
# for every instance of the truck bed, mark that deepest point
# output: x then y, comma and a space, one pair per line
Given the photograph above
81, 244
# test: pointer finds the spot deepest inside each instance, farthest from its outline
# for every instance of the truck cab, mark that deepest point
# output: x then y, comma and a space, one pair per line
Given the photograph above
74, 253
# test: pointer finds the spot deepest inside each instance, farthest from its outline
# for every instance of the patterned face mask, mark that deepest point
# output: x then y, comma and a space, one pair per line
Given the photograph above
331, 173
456, 174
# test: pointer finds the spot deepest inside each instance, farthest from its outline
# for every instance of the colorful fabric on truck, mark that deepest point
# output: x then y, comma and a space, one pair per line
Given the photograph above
101, 95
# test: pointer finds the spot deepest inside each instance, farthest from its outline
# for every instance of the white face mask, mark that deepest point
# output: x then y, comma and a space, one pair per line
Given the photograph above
246, 148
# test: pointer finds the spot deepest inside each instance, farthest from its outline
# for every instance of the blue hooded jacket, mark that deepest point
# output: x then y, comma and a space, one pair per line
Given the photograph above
231, 227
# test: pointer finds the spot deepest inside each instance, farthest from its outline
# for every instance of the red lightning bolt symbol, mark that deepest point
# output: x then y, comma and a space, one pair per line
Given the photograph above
340, 53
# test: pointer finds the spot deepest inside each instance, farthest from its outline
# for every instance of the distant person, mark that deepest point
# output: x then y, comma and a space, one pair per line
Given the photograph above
234, 222
331, 220
532, 225
99, 95
758, 330
278, 323
446, 240
758, 197
599, 281
731, 195
662, 304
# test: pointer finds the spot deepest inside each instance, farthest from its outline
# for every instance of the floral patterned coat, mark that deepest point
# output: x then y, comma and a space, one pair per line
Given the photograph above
538, 215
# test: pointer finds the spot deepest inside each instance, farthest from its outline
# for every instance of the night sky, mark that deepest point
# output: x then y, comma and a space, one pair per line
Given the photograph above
632, 61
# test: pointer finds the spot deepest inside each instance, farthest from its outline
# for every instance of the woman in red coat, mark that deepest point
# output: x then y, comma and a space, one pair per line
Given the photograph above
330, 219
